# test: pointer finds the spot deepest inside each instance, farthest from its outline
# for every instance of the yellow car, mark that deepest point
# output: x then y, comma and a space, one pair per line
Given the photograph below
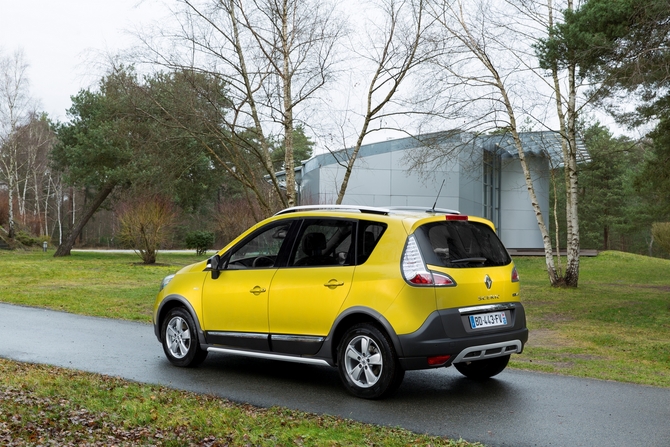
372, 291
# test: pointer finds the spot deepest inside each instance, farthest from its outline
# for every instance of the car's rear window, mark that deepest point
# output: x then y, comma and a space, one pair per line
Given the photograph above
461, 244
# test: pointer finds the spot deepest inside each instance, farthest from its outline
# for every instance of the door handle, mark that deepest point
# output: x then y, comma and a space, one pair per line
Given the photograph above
333, 283
257, 290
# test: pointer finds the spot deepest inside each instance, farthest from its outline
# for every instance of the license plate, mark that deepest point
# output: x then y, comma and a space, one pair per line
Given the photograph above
488, 320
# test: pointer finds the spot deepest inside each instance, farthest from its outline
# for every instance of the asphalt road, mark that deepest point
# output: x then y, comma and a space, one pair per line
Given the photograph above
515, 409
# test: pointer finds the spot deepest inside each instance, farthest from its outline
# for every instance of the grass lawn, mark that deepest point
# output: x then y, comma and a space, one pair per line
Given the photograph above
115, 285
615, 326
47, 406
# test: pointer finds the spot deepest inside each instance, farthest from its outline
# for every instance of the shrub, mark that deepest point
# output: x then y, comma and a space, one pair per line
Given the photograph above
201, 241
145, 224
27, 239
661, 233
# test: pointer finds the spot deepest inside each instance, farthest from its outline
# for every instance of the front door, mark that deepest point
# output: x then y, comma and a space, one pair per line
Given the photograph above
235, 305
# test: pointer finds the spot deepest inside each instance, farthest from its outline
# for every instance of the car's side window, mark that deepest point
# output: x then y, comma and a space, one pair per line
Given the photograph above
262, 250
369, 234
323, 242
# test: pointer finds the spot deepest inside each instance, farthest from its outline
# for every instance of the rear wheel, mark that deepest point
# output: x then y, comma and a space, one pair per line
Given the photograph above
482, 369
367, 363
180, 340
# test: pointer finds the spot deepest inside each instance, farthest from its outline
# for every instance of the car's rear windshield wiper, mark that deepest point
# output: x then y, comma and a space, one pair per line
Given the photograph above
468, 260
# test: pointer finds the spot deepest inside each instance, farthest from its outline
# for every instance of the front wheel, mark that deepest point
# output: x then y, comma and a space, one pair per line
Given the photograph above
180, 340
367, 363
482, 369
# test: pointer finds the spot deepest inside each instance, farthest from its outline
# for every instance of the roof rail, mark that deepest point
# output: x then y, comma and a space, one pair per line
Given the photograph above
354, 208
367, 209
422, 208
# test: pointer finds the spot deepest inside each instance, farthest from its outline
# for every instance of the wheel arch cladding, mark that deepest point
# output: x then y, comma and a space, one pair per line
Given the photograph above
355, 316
169, 303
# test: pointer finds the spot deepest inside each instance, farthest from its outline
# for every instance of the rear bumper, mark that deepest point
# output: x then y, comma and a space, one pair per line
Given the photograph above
447, 333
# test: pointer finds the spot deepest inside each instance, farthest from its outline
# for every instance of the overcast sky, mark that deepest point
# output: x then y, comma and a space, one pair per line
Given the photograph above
62, 40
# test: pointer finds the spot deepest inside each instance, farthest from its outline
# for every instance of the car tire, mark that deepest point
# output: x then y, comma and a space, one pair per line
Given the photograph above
482, 369
180, 339
367, 363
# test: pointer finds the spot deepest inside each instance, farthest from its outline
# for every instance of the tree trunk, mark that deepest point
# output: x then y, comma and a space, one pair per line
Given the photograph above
573, 246
559, 267
567, 122
237, 42
350, 162
554, 279
288, 111
65, 248
46, 206
12, 231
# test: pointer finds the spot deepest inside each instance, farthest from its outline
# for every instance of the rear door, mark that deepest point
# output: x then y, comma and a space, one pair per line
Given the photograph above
307, 294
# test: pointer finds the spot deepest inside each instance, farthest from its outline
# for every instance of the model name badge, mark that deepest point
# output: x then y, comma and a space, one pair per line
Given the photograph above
488, 297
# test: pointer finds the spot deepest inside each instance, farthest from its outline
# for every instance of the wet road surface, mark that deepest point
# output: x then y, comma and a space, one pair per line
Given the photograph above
517, 408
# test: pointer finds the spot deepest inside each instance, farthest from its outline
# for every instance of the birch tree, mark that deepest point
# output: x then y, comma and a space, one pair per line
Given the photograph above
396, 43
498, 82
34, 142
567, 111
274, 56
15, 105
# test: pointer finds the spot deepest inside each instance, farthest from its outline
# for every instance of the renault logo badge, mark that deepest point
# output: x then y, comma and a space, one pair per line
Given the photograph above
488, 281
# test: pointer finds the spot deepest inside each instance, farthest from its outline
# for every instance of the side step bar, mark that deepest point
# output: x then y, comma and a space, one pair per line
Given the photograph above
268, 356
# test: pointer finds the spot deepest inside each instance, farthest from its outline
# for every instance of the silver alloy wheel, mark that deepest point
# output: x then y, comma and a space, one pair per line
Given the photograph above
363, 361
178, 335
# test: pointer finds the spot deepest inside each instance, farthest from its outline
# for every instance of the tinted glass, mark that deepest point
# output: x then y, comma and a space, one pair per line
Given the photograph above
262, 249
369, 234
323, 242
461, 244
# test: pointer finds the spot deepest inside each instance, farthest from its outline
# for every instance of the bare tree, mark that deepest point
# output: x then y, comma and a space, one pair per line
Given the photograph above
273, 56
34, 142
145, 225
494, 74
14, 108
55, 184
394, 42
566, 109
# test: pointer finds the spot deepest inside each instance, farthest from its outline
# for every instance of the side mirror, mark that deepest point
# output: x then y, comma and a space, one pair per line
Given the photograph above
214, 266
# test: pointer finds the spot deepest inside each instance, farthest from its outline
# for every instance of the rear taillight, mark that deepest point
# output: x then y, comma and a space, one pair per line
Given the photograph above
515, 275
422, 279
414, 269
443, 280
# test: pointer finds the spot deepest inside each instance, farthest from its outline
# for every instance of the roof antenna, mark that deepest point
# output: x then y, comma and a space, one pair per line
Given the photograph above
438, 196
